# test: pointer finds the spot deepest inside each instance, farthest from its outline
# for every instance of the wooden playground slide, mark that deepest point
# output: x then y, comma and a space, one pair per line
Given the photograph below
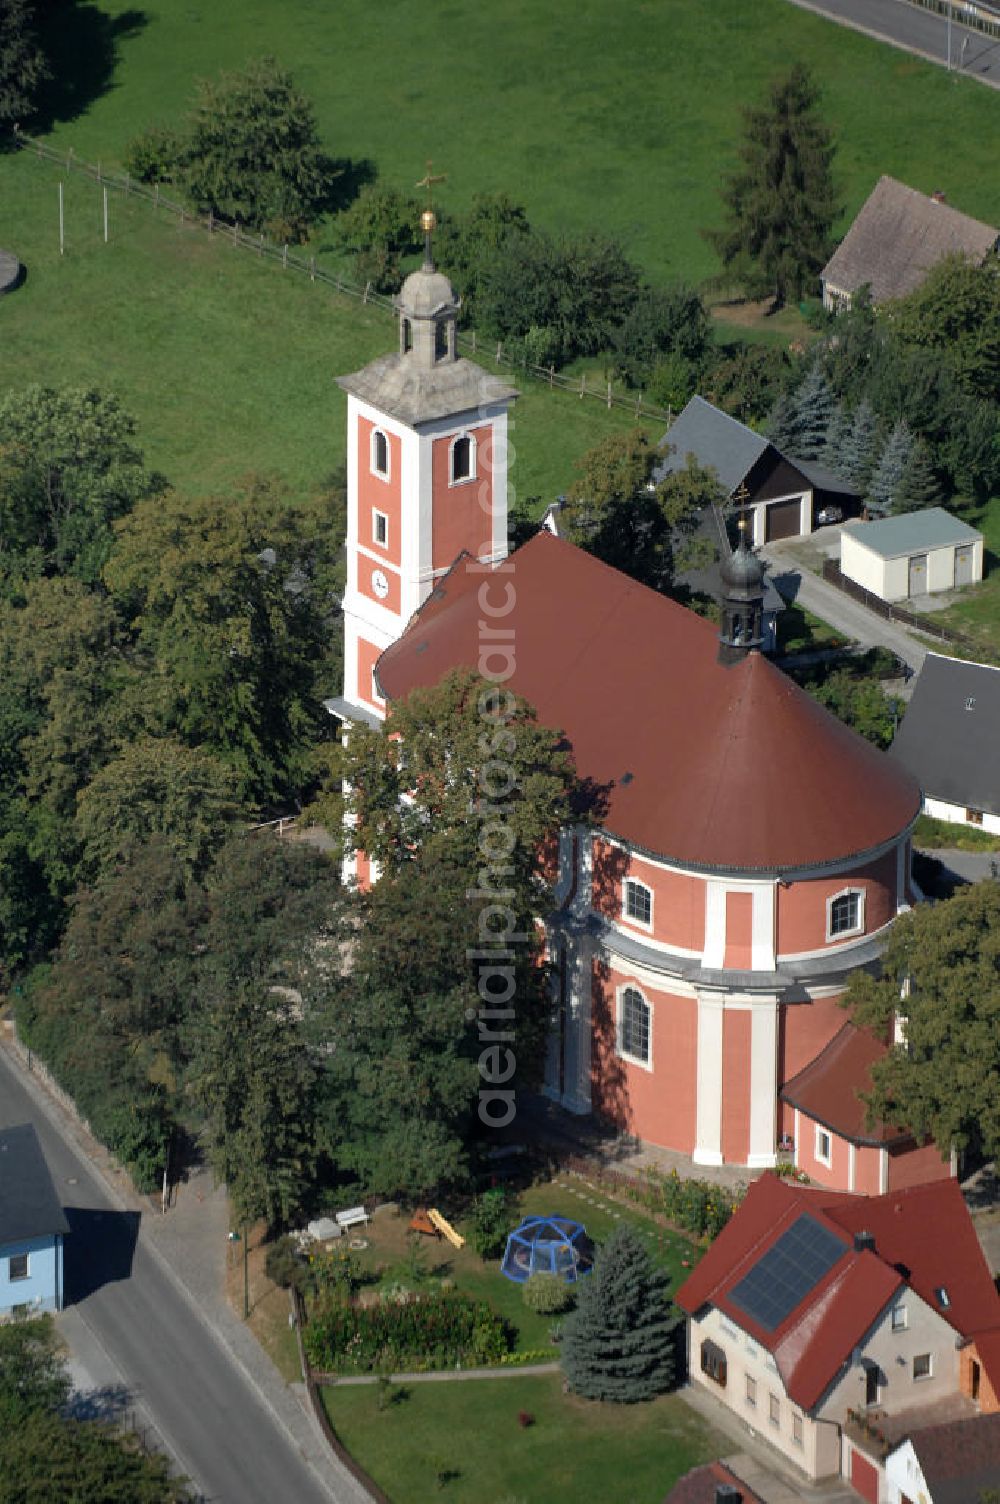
445, 1227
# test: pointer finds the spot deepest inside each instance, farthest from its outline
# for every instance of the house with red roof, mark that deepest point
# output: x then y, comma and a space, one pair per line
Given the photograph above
819, 1318
752, 851
715, 1483
952, 1463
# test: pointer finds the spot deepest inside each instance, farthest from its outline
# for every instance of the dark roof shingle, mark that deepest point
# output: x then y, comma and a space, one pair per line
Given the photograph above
29, 1206
949, 736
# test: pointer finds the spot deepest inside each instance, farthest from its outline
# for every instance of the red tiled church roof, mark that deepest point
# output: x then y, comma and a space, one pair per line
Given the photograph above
731, 767
827, 1089
923, 1236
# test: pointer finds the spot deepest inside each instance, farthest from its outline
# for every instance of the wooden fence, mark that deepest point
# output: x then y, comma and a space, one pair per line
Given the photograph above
832, 572
289, 260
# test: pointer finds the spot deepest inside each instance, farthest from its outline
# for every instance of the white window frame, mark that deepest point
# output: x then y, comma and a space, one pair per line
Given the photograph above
473, 459
921, 1378
376, 517
774, 1409
859, 927
798, 1429
379, 699
636, 882
385, 474
647, 1064
750, 1391
824, 1159
900, 1319
16, 1278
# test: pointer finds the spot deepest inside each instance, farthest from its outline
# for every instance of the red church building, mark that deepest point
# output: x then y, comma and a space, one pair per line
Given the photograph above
754, 851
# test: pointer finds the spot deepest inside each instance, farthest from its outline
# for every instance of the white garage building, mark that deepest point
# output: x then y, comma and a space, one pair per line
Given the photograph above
916, 553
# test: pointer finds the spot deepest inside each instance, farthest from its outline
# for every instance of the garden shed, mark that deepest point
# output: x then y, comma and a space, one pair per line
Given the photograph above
916, 553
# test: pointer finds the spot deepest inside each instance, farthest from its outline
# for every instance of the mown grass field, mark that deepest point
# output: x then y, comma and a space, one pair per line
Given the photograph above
618, 118
469, 1432
597, 115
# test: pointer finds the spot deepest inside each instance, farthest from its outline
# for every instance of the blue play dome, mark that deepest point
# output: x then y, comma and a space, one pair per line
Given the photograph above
548, 1245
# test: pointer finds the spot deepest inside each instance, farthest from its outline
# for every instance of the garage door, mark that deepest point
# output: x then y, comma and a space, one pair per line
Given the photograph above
784, 520
864, 1477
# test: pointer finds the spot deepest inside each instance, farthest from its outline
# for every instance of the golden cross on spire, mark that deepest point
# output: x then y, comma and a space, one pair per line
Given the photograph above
428, 180
428, 220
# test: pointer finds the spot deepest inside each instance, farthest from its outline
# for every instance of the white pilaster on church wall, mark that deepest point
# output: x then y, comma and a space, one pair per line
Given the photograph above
579, 1027
708, 1119
714, 953
762, 949
762, 935
763, 1083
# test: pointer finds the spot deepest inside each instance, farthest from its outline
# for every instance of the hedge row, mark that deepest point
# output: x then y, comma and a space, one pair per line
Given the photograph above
433, 1331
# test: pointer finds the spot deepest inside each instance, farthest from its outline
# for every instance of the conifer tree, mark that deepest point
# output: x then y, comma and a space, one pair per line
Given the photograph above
780, 203
814, 407
782, 426
619, 1342
918, 486
858, 456
837, 434
889, 472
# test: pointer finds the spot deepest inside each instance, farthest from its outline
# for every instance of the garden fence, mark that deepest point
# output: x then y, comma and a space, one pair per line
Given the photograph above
289, 260
832, 572
969, 13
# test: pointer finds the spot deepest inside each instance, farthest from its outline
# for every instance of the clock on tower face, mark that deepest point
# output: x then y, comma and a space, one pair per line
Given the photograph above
380, 584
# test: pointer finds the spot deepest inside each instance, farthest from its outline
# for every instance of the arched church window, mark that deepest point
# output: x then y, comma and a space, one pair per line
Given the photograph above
633, 1026
463, 458
845, 913
638, 902
380, 453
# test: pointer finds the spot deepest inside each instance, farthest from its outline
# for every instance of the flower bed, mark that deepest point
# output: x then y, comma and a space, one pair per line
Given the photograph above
419, 1334
698, 1206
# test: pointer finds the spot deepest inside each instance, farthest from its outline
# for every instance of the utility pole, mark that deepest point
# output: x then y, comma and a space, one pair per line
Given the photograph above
246, 1271
951, 7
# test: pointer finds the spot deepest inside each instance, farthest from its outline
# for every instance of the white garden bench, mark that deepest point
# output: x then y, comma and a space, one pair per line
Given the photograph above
354, 1216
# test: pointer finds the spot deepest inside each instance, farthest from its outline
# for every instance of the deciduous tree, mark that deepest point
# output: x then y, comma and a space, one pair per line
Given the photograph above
780, 203
944, 1079
22, 62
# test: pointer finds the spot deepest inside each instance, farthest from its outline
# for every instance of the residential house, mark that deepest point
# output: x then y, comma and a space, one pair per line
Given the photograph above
814, 1316
895, 240
715, 1483
781, 497
32, 1227
914, 553
948, 740
946, 1464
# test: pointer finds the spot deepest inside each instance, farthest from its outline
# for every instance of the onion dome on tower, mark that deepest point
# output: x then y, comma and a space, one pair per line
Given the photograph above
742, 629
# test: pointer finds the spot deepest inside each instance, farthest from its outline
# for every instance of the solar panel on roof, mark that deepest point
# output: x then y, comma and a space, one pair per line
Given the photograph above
783, 1277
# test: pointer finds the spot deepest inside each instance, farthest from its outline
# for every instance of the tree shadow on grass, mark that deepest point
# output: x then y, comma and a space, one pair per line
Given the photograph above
349, 178
82, 46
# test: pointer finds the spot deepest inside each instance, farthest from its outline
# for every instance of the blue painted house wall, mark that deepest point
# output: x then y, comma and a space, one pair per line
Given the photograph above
43, 1288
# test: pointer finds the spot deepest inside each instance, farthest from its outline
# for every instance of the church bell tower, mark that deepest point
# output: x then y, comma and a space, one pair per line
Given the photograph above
426, 475
742, 628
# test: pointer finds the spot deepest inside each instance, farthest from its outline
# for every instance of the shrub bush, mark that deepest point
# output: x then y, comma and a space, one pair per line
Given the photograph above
435, 1331
283, 1265
154, 156
698, 1206
546, 1294
492, 1216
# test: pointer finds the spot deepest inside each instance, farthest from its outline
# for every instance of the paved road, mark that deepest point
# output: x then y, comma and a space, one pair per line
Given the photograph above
225, 1438
919, 31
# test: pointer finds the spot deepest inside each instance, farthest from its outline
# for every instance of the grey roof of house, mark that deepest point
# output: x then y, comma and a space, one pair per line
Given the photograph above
822, 478
714, 438
29, 1206
959, 1459
898, 235
913, 533
415, 394
948, 746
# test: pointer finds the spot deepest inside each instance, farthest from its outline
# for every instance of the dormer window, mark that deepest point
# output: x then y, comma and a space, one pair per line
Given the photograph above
380, 454
463, 459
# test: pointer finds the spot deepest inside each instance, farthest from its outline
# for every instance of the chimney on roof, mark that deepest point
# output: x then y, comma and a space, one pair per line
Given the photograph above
864, 1240
725, 1493
938, 196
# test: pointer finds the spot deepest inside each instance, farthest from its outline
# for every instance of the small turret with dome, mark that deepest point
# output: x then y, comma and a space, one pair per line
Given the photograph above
428, 308
742, 629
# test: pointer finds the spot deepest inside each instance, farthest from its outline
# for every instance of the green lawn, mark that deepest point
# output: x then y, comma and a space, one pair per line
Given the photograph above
610, 116
977, 614
799, 631
575, 1451
227, 362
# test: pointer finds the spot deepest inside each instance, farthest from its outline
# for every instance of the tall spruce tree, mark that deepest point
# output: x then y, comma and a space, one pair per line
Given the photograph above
836, 439
780, 204
814, 406
918, 485
885, 482
619, 1343
859, 451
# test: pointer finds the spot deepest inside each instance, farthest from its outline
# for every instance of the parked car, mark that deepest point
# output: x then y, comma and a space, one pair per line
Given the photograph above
829, 514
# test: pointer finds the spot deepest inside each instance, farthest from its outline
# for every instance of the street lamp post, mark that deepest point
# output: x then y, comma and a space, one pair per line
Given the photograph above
951, 7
